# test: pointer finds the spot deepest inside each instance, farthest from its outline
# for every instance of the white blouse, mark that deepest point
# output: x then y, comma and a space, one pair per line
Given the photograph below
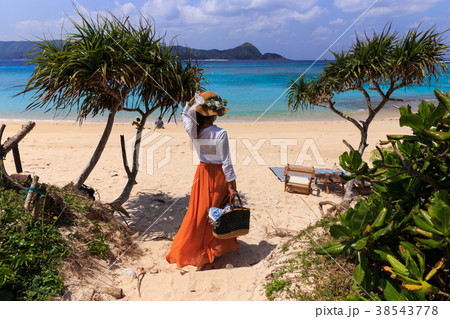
211, 145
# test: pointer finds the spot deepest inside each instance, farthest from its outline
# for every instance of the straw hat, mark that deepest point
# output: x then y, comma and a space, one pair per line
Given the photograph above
204, 109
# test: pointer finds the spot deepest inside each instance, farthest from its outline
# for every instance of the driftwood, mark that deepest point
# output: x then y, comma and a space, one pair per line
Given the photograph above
9, 145
15, 140
5, 177
338, 208
28, 199
335, 208
142, 274
38, 201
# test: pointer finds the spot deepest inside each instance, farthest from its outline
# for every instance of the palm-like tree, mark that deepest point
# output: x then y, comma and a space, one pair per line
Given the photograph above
108, 65
165, 81
382, 63
91, 70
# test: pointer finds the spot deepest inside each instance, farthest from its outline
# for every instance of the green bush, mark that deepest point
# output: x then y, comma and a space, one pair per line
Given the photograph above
400, 234
97, 246
30, 252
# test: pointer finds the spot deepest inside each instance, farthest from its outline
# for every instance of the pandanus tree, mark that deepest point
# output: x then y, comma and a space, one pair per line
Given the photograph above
108, 65
382, 63
91, 70
165, 81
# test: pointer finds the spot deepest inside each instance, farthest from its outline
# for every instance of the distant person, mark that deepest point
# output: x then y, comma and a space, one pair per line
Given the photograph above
137, 123
159, 123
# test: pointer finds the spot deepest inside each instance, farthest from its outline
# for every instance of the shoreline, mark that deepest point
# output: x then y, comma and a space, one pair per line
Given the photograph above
319, 114
179, 123
298, 116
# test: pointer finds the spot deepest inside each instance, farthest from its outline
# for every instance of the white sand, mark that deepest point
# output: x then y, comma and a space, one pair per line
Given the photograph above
57, 152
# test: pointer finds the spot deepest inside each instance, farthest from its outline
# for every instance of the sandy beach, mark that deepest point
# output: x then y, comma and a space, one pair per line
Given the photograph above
57, 152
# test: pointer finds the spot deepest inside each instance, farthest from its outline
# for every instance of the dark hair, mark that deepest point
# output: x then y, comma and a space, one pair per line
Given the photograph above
201, 119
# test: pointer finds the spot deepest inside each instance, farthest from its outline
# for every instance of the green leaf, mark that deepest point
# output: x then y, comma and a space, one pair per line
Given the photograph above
359, 221
360, 244
379, 221
362, 273
425, 226
439, 212
437, 114
352, 162
411, 265
332, 248
409, 247
437, 135
429, 243
443, 99
390, 292
382, 252
397, 265
338, 231
414, 121
424, 110
383, 231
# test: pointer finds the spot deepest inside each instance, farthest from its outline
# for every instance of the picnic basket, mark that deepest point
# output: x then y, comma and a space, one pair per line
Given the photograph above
233, 223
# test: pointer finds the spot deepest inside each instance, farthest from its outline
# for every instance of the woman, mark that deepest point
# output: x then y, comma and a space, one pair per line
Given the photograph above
214, 181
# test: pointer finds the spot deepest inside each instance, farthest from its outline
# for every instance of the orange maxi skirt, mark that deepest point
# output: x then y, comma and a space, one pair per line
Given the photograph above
194, 243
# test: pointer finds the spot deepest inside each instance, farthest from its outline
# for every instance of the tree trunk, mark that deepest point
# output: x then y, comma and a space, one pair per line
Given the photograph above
363, 142
119, 201
98, 151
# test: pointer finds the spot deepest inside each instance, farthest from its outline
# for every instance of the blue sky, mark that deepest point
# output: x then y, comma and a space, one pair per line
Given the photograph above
295, 29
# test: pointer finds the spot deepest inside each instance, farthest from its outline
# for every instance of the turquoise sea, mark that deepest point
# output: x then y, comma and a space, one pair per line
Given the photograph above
255, 91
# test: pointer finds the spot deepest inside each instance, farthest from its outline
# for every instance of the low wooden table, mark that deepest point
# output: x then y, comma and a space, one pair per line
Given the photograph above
328, 176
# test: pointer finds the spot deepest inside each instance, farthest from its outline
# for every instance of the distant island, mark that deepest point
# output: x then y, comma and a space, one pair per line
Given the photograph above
10, 50
246, 51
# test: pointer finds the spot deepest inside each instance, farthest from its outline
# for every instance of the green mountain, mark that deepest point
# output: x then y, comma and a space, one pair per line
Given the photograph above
17, 49
246, 51
10, 50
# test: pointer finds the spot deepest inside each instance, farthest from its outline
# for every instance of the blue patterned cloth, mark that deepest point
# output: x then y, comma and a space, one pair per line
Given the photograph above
215, 213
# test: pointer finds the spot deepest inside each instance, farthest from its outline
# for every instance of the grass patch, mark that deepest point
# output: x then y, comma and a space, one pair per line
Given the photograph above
300, 274
31, 252
71, 234
97, 246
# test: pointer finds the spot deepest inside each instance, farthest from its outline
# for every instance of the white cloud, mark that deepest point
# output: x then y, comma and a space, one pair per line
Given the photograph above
320, 30
163, 9
386, 7
37, 28
313, 13
352, 5
125, 9
233, 17
336, 21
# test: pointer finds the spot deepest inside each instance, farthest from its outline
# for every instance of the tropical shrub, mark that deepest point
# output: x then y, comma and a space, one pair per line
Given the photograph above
31, 252
400, 234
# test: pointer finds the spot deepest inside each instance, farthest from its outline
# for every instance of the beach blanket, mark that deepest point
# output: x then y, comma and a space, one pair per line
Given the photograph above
279, 172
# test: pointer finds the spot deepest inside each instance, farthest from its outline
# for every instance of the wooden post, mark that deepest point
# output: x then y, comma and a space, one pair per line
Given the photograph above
16, 155
34, 184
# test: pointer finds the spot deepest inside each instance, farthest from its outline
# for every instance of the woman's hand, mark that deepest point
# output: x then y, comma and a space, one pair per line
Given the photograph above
232, 189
